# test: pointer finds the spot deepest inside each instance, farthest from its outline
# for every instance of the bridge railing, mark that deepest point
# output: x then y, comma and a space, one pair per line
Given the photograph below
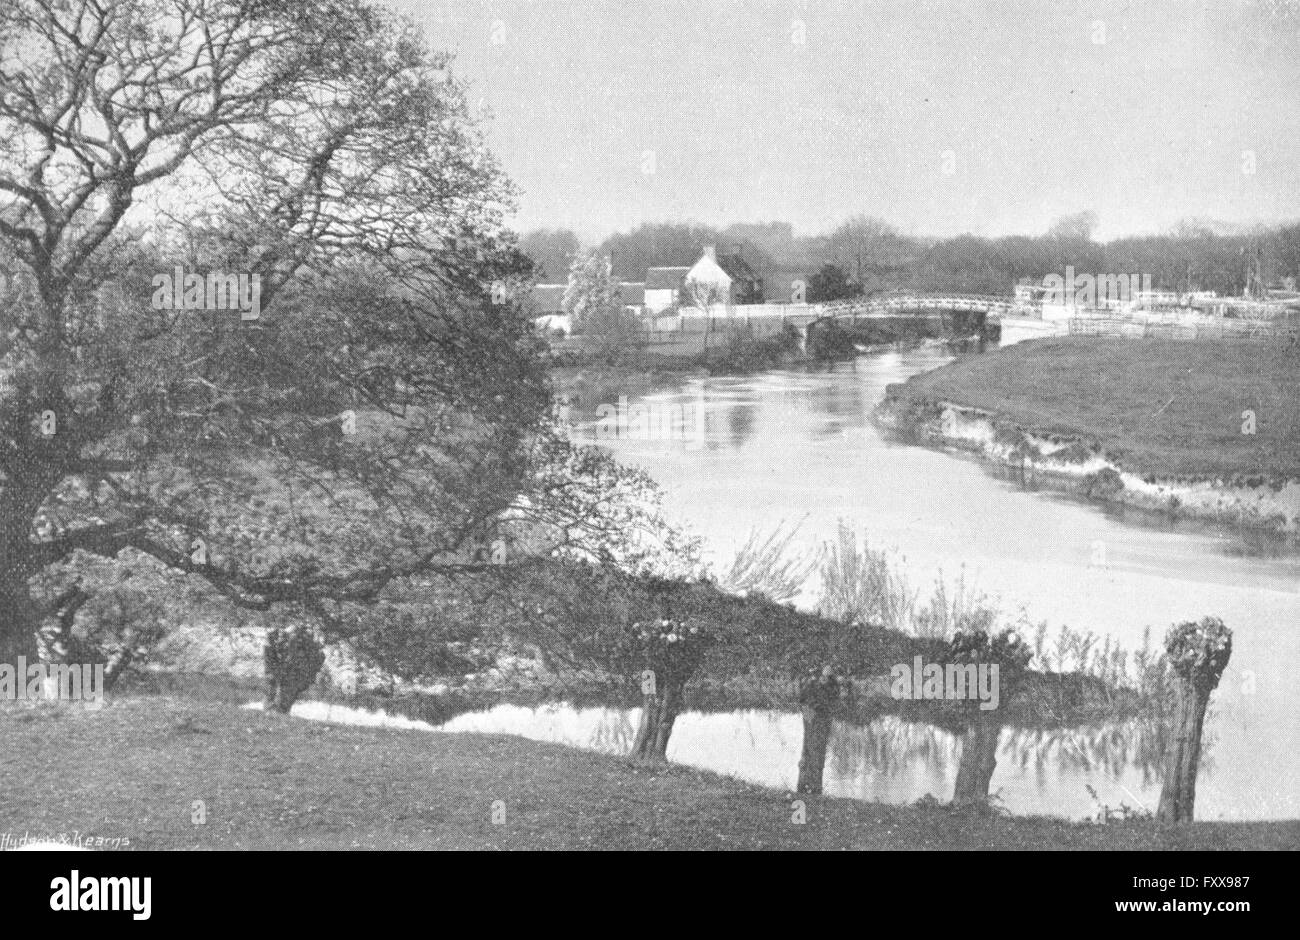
952, 302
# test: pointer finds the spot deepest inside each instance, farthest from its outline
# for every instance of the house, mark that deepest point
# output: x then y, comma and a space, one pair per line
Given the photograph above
548, 308
735, 282
548, 298
632, 294
548, 304
661, 288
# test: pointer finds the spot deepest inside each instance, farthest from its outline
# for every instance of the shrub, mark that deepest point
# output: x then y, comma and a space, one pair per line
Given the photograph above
1104, 484
860, 585
1075, 452
829, 341
292, 657
117, 627
742, 351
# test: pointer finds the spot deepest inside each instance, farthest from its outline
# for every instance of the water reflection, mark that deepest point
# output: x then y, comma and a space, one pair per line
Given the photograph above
805, 449
888, 760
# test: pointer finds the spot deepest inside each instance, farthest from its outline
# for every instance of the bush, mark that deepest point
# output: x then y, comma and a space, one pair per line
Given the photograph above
860, 585
744, 352
425, 638
117, 627
1104, 484
293, 658
830, 341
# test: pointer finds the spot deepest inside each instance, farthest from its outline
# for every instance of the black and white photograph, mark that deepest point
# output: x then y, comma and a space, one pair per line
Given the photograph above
593, 426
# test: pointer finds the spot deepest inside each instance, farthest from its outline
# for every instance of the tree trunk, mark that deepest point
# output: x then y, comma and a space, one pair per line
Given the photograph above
817, 723
1178, 796
20, 614
979, 758
19, 621
658, 713
818, 700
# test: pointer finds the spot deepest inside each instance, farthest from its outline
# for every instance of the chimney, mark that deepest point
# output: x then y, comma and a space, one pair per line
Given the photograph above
710, 253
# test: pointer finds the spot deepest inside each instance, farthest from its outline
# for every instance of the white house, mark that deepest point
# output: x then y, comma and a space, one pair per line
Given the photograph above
732, 278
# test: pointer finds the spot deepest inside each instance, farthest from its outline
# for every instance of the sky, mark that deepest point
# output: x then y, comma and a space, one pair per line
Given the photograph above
991, 117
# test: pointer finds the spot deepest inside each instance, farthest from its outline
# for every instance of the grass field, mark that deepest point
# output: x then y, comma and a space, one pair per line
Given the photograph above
1166, 408
135, 769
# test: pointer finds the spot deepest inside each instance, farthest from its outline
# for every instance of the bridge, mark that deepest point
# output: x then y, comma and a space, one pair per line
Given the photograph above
918, 305
894, 306
1018, 320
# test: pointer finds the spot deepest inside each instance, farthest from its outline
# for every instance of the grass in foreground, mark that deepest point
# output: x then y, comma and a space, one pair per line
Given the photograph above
135, 769
1168, 408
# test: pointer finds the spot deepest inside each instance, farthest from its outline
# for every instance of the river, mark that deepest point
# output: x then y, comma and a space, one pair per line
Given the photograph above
797, 445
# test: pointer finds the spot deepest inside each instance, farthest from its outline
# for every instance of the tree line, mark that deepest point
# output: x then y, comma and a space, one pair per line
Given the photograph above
866, 256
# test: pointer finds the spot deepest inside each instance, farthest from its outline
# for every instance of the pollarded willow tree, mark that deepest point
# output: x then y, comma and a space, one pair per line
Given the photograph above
365, 420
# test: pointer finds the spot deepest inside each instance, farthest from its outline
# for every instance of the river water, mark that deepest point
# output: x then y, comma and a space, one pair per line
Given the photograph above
797, 445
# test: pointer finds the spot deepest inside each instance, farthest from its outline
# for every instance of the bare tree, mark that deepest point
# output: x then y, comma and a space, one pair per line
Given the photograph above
706, 296
862, 244
381, 410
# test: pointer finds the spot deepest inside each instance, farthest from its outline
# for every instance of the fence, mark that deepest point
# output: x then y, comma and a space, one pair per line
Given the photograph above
1184, 328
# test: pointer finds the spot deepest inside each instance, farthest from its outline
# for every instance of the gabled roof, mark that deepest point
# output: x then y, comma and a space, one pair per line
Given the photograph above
664, 278
549, 298
736, 268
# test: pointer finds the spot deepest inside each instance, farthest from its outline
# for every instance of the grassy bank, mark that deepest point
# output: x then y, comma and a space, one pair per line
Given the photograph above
134, 769
735, 350
1162, 408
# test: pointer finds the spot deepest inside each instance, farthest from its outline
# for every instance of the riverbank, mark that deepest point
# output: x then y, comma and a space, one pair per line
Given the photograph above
725, 352
135, 769
1198, 429
743, 350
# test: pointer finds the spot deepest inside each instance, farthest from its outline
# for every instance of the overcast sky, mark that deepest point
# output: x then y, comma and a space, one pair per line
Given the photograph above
940, 117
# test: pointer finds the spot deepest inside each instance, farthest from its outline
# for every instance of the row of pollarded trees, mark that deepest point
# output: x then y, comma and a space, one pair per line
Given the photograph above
680, 632
673, 650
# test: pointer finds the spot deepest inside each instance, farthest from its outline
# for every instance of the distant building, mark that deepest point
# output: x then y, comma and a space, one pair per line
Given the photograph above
735, 280
633, 295
548, 304
737, 283
548, 298
548, 309
661, 288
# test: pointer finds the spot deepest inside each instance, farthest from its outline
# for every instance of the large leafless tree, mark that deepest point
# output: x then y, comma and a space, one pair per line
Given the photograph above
385, 406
